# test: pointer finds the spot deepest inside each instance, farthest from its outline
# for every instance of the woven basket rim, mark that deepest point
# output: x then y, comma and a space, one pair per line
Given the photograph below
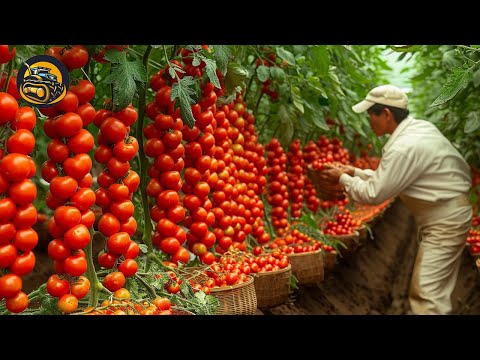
345, 236
276, 272
232, 287
361, 227
478, 262
306, 253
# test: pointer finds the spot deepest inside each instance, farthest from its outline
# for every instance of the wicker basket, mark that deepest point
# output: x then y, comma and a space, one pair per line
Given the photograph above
272, 287
362, 234
478, 265
307, 267
238, 299
329, 261
351, 241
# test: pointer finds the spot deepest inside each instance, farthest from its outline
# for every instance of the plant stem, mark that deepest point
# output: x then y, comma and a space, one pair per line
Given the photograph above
258, 102
150, 290
248, 87
35, 293
9, 75
147, 233
95, 285
151, 62
155, 259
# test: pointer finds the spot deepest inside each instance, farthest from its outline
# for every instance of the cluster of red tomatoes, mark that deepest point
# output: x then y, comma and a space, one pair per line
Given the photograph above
310, 151
17, 192
123, 305
117, 184
234, 268
476, 221
296, 178
171, 155
223, 174
6, 55
70, 195
333, 147
293, 242
473, 239
342, 225
277, 193
74, 57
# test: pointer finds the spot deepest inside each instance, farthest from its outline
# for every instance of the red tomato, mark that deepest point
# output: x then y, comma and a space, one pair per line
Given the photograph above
77, 237
8, 254
84, 90
118, 243
57, 250
17, 303
22, 142
114, 281
5, 54
75, 57
68, 303
80, 287
128, 267
75, 265
15, 167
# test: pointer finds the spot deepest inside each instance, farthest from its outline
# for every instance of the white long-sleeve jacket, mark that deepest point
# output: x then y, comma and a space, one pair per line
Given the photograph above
418, 161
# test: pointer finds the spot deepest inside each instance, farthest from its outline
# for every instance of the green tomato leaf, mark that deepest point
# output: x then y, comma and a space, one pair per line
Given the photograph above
458, 79
314, 115
211, 69
473, 122
183, 91
25, 52
263, 73
222, 56
196, 61
405, 48
476, 78
235, 78
320, 59
124, 76
286, 55
297, 98
286, 115
278, 74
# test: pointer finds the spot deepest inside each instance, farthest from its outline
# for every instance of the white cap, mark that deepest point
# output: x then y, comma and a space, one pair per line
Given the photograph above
386, 95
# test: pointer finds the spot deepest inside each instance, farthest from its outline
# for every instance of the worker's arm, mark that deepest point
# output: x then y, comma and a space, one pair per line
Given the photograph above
395, 172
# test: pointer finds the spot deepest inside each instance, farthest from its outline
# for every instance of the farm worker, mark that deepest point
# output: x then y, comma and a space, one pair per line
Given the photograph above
433, 180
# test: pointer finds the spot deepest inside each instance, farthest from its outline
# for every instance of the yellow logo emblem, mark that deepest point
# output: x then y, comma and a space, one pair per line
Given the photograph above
43, 81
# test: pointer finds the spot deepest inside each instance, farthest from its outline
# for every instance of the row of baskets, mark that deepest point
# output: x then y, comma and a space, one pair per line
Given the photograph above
270, 289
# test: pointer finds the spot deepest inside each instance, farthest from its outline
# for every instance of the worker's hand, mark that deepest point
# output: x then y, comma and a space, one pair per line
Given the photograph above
331, 173
347, 169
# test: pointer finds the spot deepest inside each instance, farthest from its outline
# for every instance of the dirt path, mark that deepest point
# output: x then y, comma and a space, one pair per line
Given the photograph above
375, 279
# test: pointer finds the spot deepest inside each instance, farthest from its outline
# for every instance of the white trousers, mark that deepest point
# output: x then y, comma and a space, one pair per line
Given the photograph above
442, 231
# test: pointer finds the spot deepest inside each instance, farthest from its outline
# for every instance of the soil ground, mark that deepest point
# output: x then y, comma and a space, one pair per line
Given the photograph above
374, 280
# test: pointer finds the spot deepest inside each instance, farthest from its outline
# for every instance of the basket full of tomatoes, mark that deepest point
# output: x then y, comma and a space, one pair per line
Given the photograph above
272, 279
307, 266
235, 293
